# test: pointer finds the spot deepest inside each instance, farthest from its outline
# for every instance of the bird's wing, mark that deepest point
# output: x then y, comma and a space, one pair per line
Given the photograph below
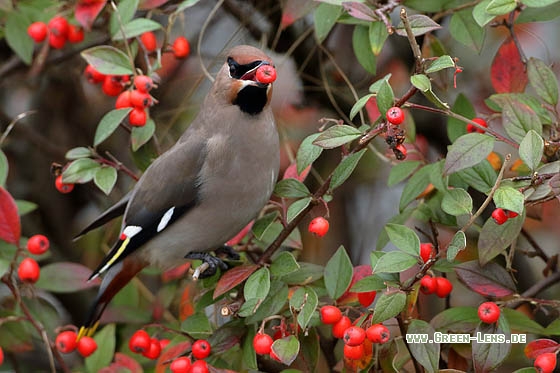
112, 212
166, 191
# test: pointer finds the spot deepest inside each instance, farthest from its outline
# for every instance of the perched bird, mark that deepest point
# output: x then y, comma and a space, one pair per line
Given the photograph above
204, 189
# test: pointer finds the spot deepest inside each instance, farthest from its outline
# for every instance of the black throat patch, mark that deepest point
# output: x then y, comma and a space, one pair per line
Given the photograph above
251, 99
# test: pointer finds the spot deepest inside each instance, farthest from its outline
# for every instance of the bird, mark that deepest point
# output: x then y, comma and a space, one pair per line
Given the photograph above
202, 191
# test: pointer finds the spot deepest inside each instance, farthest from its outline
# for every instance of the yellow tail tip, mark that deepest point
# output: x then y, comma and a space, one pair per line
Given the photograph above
87, 332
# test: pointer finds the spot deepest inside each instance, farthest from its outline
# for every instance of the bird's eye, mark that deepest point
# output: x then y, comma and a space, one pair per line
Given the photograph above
233, 67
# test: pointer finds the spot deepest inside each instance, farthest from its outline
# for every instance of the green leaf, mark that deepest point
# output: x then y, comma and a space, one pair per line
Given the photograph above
421, 81
125, 13
287, 349
500, 100
481, 177
297, 207
466, 30
538, 3
64, 277
443, 62
25, 207
553, 328
3, 168
388, 305
271, 305
377, 36
369, 283
141, 135
394, 262
455, 127
401, 171
304, 301
16, 35
427, 354
324, 18
338, 273
519, 119
520, 322
283, 264
385, 97
306, 274
531, 149
102, 357
197, 326
456, 319
336, 136
480, 15
458, 243
403, 238
307, 152
185, 4
136, 27
108, 60
291, 188
359, 105
467, 151
499, 7
257, 285
80, 171
263, 224
494, 238
414, 186
79, 152
488, 356
362, 49
543, 80
544, 14
509, 198
108, 124
105, 179
420, 25
249, 358
345, 169
374, 88
457, 202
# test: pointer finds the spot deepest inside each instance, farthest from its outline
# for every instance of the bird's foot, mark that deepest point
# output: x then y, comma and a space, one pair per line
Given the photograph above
228, 251
209, 266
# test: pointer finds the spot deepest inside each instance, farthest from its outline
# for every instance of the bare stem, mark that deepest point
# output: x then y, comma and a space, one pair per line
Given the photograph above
412, 41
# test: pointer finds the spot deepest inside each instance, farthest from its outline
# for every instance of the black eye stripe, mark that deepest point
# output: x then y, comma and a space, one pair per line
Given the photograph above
237, 71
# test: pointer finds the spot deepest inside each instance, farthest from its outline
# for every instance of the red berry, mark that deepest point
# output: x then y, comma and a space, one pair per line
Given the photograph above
319, 226
378, 333
426, 251
163, 343
56, 41
354, 336
181, 365
428, 285
59, 26
154, 350
400, 152
75, 34
1, 356
93, 76
123, 101
63, 188
199, 366
354, 352
265, 74
181, 47
29, 271
499, 216
201, 349
66, 342
330, 315
340, 327
488, 312
512, 214
366, 298
262, 343
149, 40
86, 346
471, 128
137, 117
139, 342
546, 362
143, 83
395, 115
38, 244
112, 85
444, 287
140, 99
37, 31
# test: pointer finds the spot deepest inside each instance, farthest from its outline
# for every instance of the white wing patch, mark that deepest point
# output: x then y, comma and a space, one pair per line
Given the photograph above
165, 219
131, 230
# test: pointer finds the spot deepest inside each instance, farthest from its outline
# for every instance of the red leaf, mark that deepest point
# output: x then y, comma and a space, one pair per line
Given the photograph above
291, 172
492, 280
175, 272
65, 277
239, 236
233, 277
123, 363
171, 353
508, 72
87, 10
294, 10
186, 307
372, 109
540, 346
358, 273
151, 4
10, 228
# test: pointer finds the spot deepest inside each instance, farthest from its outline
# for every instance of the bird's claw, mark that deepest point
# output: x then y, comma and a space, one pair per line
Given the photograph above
209, 266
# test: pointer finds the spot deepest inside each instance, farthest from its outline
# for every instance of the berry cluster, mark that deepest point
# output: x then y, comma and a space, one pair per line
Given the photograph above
472, 128
353, 336
319, 226
500, 215
180, 46
58, 30
139, 99
28, 269
488, 312
111, 85
142, 343
441, 286
545, 362
200, 350
67, 341
395, 135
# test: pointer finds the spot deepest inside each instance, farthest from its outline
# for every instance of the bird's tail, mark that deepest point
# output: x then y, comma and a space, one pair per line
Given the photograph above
114, 280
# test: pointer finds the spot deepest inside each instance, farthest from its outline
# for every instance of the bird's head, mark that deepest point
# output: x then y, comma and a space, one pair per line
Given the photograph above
238, 83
